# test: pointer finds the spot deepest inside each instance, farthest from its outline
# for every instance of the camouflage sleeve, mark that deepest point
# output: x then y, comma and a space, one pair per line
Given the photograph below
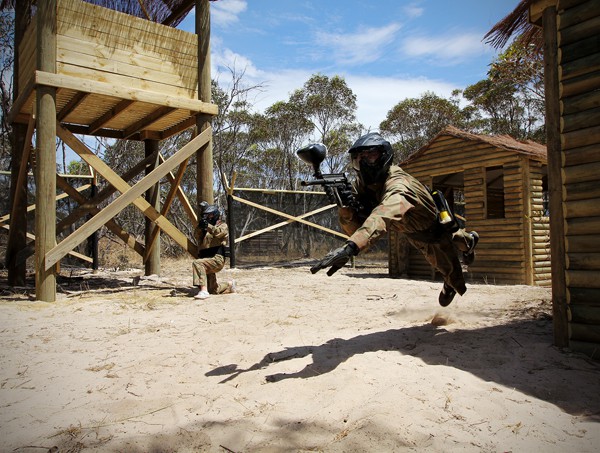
349, 220
219, 231
392, 208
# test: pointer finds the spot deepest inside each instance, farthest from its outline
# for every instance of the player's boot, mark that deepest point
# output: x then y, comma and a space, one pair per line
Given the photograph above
446, 295
469, 255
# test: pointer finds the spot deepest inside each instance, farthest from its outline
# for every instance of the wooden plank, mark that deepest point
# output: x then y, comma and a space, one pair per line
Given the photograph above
579, 103
583, 191
584, 155
577, 14
582, 208
165, 207
581, 173
183, 199
290, 217
582, 120
147, 121
584, 313
107, 26
585, 332
585, 225
585, 66
112, 225
72, 42
579, 50
110, 115
281, 224
579, 85
583, 261
118, 80
129, 195
589, 243
578, 31
88, 86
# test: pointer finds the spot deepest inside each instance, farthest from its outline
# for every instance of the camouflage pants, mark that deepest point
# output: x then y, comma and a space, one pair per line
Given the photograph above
205, 273
443, 257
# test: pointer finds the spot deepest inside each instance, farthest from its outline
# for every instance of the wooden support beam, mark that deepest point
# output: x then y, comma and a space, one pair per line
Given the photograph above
287, 222
45, 181
291, 217
183, 199
555, 181
165, 207
134, 94
113, 226
147, 121
117, 110
129, 194
71, 105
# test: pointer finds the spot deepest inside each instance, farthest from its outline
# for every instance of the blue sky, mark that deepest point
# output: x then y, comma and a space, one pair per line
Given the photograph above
386, 50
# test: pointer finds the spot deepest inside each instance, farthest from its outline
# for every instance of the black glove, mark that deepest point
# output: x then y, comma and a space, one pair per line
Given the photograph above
336, 258
203, 224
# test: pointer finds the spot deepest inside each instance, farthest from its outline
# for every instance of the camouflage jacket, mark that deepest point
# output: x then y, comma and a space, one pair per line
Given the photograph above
401, 203
213, 236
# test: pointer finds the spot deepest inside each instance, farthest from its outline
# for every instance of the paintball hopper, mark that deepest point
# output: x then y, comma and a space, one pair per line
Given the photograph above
313, 154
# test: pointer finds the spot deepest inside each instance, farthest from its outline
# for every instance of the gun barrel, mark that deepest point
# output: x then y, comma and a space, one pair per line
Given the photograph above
314, 182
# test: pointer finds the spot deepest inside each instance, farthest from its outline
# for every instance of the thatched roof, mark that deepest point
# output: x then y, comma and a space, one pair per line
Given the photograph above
168, 12
505, 142
516, 24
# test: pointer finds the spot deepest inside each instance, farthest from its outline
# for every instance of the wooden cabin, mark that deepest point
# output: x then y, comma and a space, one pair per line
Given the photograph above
570, 31
85, 69
496, 185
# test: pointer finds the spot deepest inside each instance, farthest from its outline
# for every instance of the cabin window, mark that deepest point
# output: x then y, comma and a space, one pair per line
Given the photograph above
494, 184
453, 187
545, 197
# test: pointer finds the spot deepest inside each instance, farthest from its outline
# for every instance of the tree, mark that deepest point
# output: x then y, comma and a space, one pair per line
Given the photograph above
330, 105
412, 122
511, 99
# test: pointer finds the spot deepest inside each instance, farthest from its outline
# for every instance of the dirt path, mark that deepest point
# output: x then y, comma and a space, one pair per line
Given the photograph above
292, 362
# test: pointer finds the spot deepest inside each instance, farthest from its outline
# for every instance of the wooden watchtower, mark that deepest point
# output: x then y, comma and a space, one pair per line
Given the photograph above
84, 69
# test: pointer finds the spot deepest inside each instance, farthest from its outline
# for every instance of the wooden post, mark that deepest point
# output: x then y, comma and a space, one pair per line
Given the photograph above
45, 181
152, 264
93, 239
555, 183
17, 239
204, 159
231, 226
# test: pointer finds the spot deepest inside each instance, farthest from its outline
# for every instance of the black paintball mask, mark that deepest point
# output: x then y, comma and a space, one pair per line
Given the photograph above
371, 157
211, 214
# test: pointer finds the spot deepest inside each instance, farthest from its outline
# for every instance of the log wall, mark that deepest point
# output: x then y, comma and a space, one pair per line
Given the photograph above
579, 97
511, 250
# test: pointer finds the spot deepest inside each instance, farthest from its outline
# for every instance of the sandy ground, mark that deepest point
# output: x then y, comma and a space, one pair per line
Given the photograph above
291, 362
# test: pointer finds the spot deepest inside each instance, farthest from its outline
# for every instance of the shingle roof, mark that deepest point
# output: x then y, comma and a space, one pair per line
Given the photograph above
506, 142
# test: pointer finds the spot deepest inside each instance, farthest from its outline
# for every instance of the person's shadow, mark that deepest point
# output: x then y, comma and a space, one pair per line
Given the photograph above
498, 354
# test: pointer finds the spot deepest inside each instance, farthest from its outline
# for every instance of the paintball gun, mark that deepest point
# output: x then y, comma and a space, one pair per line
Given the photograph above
336, 185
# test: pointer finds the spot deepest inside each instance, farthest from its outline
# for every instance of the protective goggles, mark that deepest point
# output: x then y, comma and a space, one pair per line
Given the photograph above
369, 155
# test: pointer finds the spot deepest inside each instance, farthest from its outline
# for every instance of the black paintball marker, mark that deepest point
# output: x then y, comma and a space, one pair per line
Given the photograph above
336, 185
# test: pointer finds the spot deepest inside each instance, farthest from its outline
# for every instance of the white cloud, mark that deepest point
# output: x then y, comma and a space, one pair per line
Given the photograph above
226, 12
361, 47
413, 10
444, 48
376, 96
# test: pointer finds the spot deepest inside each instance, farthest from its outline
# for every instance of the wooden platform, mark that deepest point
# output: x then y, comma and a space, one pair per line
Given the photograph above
116, 75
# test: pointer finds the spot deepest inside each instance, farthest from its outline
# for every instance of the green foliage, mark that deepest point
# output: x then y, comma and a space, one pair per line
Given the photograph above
413, 122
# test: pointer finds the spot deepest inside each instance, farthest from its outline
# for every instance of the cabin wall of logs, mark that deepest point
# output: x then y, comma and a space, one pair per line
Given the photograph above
572, 80
496, 185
